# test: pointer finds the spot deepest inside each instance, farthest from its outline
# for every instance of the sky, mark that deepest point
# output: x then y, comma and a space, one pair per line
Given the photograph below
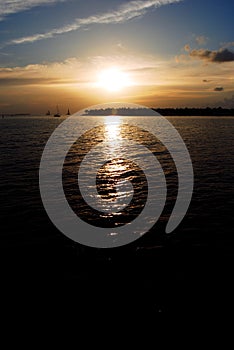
76, 53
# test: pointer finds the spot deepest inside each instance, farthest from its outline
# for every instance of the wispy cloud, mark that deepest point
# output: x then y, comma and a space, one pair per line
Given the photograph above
201, 40
228, 44
87, 70
124, 13
54, 72
8, 7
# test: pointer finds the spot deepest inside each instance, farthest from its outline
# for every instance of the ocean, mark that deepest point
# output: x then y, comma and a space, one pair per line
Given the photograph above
158, 272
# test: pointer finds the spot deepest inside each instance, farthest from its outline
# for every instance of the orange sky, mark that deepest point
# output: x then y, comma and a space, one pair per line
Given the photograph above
148, 80
165, 53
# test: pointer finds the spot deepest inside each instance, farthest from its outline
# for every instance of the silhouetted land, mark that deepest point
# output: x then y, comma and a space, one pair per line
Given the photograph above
216, 112
15, 114
220, 112
195, 111
120, 111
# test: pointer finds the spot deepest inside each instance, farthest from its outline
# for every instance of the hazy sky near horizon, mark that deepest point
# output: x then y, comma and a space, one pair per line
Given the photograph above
168, 53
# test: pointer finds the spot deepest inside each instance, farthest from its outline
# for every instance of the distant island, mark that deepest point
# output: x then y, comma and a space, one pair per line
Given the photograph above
128, 111
216, 112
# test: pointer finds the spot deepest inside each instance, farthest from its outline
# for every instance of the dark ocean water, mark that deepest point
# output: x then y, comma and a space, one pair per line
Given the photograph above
158, 272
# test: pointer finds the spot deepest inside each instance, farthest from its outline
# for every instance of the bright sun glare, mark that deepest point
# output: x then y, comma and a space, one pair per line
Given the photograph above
113, 79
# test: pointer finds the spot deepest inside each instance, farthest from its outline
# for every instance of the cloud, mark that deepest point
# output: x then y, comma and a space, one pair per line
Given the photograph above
227, 44
219, 88
220, 56
201, 40
187, 48
39, 74
23, 81
124, 13
8, 7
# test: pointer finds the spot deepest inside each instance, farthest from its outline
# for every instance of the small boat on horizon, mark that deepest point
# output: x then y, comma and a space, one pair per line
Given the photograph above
68, 112
48, 112
57, 115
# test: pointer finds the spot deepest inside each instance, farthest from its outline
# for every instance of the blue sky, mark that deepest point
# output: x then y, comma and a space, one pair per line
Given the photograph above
175, 52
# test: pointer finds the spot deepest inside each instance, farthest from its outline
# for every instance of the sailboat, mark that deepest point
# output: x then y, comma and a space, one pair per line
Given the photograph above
57, 114
68, 112
48, 112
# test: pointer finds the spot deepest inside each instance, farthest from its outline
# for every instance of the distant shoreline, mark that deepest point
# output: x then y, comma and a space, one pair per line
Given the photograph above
15, 114
128, 111
177, 112
214, 112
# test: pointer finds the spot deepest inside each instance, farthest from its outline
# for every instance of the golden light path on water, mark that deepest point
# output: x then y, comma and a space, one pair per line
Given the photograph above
119, 171
112, 128
113, 140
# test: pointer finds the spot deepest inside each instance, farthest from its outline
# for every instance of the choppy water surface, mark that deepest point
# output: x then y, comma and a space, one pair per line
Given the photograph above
209, 141
156, 273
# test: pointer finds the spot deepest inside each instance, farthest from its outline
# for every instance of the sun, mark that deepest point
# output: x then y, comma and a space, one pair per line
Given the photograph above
113, 79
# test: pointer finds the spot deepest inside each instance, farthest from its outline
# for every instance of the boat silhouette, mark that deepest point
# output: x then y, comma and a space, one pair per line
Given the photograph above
57, 114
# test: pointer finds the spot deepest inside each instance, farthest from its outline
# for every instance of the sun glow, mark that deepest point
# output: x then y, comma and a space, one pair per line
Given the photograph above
113, 79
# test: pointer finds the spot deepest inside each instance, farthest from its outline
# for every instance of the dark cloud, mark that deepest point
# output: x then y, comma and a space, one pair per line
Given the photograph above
219, 88
223, 55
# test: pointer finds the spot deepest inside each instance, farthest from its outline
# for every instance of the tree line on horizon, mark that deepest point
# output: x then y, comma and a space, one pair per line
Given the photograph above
186, 111
219, 111
128, 111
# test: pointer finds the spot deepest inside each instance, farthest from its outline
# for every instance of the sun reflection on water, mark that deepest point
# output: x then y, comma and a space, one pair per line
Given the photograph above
116, 167
112, 128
